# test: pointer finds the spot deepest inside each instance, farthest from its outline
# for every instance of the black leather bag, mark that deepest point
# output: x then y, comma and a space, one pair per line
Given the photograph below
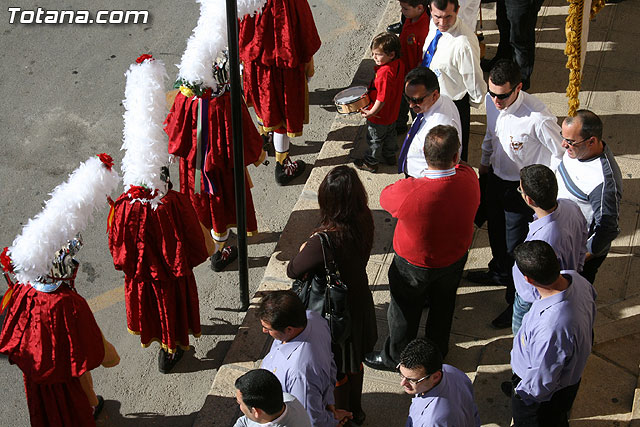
326, 294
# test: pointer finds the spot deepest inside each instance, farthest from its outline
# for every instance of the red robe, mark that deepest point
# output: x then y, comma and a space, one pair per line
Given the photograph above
275, 46
157, 250
54, 339
216, 211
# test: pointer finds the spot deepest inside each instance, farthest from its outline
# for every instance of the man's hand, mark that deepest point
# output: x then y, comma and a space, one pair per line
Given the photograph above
340, 414
588, 256
483, 169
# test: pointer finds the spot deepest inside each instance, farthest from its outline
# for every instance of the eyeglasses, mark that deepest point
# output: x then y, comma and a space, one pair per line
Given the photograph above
411, 380
572, 142
502, 95
415, 100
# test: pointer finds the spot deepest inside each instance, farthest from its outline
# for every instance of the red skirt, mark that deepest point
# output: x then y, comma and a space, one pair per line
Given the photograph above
54, 339
163, 311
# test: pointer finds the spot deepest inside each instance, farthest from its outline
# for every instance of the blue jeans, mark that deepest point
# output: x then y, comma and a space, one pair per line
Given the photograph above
382, 143
520, 308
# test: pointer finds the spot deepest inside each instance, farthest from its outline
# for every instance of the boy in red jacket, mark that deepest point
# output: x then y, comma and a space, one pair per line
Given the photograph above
385, 91
414, 32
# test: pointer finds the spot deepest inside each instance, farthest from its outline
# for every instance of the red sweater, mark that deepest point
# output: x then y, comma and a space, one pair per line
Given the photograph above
412, 39
435, 217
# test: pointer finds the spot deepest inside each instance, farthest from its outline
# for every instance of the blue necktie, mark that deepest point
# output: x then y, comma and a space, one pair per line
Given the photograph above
402, 158
431, 50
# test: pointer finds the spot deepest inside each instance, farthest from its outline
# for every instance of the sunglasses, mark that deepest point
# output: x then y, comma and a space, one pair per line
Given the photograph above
415, 100
502, 95
572, 142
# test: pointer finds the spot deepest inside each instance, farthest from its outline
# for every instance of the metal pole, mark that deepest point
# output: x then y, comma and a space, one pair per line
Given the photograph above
238, 152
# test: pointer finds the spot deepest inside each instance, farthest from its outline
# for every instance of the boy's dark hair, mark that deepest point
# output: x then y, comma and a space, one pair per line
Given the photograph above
442, 4
421, 352
388, 42
416, 3
539, 183
505, 71
281, 309
423, 76
537, 260
261, 389
591, 124
441, 145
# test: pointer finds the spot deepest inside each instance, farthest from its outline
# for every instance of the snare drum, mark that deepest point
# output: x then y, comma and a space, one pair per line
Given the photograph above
351, 100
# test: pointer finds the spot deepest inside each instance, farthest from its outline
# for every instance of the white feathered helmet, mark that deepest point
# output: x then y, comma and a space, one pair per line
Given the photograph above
65, 215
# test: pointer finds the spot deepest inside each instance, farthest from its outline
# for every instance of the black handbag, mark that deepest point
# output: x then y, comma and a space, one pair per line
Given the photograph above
326, 294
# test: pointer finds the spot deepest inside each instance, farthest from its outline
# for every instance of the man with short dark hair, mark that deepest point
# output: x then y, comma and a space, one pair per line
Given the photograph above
443, 395
551, 348
590, 176
521, 131
301, 356
557, 222
452, 51
261, 400
431, 242
422, 92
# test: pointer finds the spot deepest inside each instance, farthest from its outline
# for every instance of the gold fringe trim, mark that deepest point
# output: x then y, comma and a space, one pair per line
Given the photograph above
163, 345
573, 31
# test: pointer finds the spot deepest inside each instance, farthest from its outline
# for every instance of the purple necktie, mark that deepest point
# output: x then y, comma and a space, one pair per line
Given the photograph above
402, 158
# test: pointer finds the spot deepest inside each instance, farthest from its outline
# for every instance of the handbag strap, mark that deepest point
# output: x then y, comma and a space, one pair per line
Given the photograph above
325, 243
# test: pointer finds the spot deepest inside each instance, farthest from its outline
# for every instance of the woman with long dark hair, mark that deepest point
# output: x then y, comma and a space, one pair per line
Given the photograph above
346, 219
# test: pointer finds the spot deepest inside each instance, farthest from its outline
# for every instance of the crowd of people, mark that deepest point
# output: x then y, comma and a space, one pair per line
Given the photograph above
549, 194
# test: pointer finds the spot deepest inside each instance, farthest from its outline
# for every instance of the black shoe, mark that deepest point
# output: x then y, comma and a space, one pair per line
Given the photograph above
486, 277
289, 170
364, 166
98, 408
503, 320
166, 362
507, 388
221, 259
395, 28
488, 64
374, 361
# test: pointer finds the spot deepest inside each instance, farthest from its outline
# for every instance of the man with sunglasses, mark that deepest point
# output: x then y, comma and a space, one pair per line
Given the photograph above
443, 395
590, 176
422, 92
521, 131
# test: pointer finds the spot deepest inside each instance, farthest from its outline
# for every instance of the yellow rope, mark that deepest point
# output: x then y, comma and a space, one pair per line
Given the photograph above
573, 31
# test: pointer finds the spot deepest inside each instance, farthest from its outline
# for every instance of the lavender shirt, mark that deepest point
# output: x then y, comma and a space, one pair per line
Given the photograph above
306, 369
551, 348
450, 403
565, 229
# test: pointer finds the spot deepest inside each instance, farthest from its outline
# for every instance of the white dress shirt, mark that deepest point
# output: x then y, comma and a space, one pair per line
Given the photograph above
525, 133
468, 12
442, 112
456, 62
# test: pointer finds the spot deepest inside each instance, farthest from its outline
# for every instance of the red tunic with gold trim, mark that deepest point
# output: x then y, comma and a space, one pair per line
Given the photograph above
157, 250
54, 339
275, 46
216, 210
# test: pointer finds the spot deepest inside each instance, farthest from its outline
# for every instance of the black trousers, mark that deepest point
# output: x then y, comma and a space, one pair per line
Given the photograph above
553, 413
508, 218
464, 109
591, 268
516, 20
411, 288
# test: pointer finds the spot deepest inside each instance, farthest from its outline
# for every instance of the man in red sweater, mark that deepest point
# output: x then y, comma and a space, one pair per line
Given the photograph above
432, 239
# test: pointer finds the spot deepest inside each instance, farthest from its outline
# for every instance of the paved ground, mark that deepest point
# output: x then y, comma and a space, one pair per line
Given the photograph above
609, 394
63, 86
